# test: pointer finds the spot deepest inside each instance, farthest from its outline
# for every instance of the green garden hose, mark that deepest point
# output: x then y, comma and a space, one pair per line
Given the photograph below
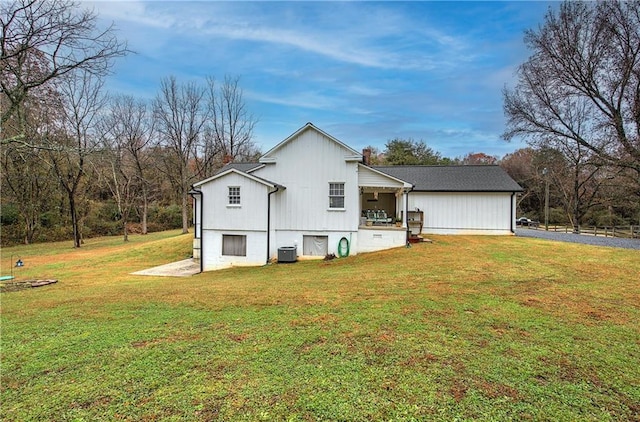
342, 254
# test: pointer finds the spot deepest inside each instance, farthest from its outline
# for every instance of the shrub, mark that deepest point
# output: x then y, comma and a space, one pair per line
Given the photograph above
165, 217
9, 214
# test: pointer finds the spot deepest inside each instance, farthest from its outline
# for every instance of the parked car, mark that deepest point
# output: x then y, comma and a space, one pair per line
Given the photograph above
523, 221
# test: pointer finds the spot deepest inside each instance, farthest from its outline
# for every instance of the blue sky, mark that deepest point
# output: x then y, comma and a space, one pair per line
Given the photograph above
365, 72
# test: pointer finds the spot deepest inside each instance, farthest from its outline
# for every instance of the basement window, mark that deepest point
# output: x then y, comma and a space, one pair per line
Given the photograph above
234, 245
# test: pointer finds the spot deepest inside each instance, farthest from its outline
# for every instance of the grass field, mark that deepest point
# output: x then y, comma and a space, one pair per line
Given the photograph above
466, 328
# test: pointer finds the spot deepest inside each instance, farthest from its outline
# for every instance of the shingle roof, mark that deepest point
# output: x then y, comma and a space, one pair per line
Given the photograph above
245, 167
481, 178
233, 168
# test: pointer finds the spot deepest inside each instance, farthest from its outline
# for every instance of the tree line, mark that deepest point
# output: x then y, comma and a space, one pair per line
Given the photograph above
72, 154
77, 161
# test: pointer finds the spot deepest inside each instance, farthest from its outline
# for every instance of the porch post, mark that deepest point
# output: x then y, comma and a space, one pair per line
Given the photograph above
405, 205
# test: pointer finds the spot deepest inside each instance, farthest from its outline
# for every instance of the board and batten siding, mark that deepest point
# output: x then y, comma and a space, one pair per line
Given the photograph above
250, 215
370, 178
305, 166
464, 212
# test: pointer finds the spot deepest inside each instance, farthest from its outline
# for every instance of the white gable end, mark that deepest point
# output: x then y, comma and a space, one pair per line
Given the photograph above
368, 177
275, 153
306, 164
248, 214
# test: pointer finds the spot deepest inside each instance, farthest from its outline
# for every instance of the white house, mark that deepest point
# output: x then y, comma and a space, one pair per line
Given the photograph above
315, 195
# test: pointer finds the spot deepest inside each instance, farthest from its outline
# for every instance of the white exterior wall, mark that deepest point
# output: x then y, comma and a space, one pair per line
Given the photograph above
250, 215
464, 212
371, 240
370, 178
220, 218
305, 166
212, 250
294, 238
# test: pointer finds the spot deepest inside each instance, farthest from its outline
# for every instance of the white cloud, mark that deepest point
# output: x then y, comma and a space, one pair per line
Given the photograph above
308, 99
136, 12
353, 34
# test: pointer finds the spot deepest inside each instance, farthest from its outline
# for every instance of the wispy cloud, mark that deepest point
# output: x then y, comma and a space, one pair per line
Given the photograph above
308, 100
368, 37
368, 70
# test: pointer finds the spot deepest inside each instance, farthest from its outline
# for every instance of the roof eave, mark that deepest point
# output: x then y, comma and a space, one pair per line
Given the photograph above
265, 182
354, 156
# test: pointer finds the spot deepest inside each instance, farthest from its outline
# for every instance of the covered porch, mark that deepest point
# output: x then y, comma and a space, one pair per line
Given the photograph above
383, 200
381, 207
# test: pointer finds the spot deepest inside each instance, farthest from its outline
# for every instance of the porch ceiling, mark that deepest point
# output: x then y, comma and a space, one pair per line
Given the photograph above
380, 189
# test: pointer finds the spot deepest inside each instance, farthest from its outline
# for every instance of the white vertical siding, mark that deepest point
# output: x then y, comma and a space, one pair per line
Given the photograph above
305, 166
464, 213
370, 178
250, 215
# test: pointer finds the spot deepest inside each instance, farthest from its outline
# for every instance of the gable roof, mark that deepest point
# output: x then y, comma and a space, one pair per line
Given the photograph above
244, 167
261, 180
480, 178
267, 156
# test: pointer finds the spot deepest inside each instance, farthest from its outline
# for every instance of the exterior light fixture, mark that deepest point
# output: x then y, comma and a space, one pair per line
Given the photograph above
19, 264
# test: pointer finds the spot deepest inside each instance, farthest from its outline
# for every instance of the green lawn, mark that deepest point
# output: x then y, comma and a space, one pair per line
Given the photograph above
465, 328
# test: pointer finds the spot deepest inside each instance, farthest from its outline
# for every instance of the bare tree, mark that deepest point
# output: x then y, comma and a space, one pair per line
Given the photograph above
127, 131
581, 85
232, 125
26, 182
59, 34
576, 174
181, 116
73, 145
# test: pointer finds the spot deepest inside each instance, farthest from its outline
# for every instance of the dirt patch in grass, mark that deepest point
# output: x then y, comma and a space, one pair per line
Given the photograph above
458, 390
463, 328
494, 390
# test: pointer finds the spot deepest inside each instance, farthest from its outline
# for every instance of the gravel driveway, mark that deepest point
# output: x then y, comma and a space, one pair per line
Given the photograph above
614, 242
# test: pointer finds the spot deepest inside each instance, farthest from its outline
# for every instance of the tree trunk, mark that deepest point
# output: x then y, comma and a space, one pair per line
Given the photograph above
125, 220
576, 203
145, 209
74, 220
185, 212
31, 227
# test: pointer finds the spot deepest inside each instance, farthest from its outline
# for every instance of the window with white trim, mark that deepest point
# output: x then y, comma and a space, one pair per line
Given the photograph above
234, 245
336, 195
234, 195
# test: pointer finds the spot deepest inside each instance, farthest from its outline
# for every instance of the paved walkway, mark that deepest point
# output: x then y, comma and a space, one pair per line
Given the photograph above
184, 268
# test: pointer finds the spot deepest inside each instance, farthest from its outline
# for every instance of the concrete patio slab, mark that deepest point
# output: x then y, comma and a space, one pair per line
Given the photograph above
184, 268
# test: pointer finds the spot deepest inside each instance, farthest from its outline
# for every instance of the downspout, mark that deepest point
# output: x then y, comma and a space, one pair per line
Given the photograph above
193, 193
511, 216
269, 218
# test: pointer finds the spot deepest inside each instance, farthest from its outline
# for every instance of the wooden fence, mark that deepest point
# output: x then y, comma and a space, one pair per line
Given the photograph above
628, 232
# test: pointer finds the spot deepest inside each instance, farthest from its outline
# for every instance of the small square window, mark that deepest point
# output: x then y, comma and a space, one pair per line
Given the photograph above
336, 195
234, 195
